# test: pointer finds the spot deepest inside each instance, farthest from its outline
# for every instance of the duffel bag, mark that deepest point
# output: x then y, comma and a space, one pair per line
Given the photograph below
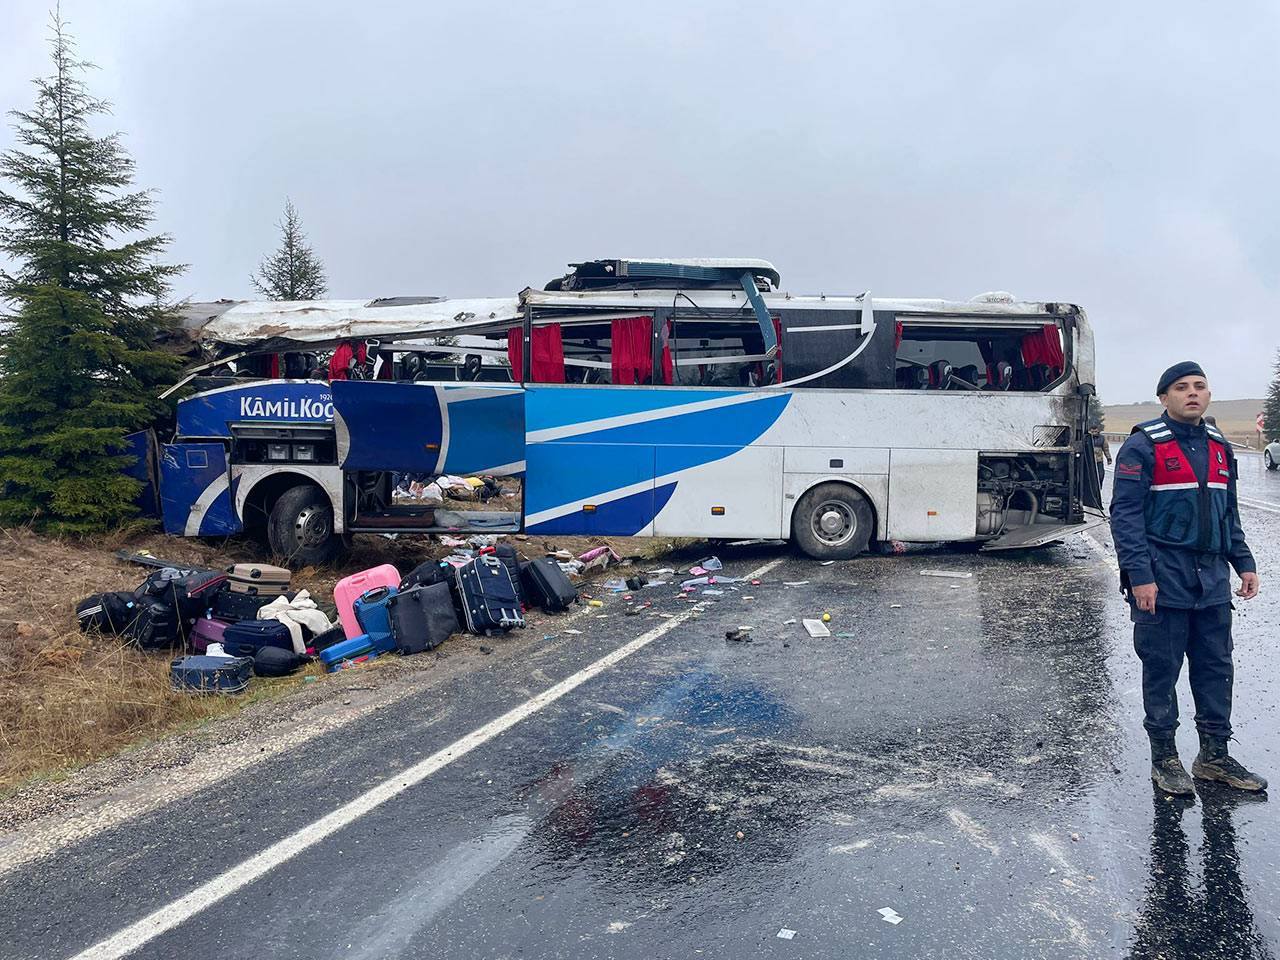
274, 662
107, 612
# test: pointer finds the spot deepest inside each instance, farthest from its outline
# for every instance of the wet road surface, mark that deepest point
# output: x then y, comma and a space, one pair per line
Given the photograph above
966, 752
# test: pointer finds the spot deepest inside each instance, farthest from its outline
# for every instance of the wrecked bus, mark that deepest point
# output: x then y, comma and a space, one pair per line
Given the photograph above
639, 398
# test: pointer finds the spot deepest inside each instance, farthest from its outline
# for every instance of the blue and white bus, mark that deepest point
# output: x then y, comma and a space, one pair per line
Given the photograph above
689, 398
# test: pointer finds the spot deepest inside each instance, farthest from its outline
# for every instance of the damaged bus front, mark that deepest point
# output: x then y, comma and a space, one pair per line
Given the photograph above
651, 398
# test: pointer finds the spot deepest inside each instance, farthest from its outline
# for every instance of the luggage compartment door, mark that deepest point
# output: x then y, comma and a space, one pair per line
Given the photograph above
195, 490
933, 495
599, 489
145, 469
730, 492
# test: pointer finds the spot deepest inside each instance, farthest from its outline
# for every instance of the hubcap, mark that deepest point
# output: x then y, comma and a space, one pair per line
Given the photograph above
834, 523
312, 526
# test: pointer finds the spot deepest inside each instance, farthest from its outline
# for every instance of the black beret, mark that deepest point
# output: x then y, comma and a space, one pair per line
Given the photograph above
1179, 370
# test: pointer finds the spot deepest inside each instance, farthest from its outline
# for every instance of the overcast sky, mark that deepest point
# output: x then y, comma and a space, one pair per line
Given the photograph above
1122, 156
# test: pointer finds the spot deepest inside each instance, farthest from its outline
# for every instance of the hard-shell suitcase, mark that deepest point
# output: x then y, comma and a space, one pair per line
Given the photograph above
422, 618
247, 637
205, 632
489, 601
349, 589
107, 612
372, 610
274, 662
156, 626
322, 641
211, 674
547, 586
238, 606
258, 578
355, 650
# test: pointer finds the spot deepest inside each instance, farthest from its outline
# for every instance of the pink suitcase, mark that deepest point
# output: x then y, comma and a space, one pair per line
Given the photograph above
206, 631
349, 589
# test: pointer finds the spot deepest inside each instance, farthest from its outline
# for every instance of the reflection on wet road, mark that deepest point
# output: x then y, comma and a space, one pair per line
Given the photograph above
964, 751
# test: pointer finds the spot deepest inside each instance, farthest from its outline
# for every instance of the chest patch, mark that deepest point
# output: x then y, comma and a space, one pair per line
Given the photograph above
1172, 463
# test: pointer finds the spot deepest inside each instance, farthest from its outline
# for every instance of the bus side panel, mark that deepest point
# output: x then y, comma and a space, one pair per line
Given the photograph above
142, 446
595, 489
209, 414
743, 486
195, 490
933, 495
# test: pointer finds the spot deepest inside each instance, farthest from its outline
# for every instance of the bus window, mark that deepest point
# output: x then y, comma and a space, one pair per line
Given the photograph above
715, 352
956, 357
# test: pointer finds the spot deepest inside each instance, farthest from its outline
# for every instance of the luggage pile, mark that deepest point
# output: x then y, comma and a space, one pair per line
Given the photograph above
237, 623
244, 621
485, 592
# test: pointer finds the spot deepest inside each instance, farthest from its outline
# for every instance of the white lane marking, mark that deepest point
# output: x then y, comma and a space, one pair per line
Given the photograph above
1253, 504
161, 921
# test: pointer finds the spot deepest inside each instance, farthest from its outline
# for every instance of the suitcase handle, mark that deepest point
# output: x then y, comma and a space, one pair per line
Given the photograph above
374, 595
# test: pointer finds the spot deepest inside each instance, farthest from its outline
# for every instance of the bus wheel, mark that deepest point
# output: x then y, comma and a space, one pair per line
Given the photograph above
301, 526
832, 522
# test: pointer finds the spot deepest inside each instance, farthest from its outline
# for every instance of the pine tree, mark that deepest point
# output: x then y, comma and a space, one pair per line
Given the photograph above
1271, 407
79, 365
293, 272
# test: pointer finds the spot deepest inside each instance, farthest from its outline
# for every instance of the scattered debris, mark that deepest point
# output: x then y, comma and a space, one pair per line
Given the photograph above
787, 623
895, 606
958, 574
785, 934
739, 634
713, 593
816, 628
826, 563
889, 915
595, 603
794, 583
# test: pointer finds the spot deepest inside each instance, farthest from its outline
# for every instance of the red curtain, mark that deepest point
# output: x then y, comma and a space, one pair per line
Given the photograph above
632, 356
547, 365
342, 357
897, 335
1044, 346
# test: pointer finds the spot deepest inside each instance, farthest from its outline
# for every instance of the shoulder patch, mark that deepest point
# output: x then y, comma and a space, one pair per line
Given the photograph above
1128, 471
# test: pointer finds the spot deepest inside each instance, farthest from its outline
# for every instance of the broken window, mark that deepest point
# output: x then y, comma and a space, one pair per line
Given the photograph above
721, 352
976, 357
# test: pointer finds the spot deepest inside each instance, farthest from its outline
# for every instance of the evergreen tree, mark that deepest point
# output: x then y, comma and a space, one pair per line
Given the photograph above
293, 272
1271, 408
79, 365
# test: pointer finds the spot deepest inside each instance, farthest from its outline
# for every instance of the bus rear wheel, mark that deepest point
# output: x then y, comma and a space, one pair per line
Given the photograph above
300, 527
832, 522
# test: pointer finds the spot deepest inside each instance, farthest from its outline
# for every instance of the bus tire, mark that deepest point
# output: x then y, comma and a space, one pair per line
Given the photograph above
300, 527
833, 521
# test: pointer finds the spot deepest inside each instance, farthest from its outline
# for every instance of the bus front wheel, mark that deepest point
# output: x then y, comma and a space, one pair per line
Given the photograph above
832, 521
300, 527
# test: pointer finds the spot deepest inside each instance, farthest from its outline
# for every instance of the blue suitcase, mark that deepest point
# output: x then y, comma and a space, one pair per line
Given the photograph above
247, 637
211, 674
373, 613
347, 652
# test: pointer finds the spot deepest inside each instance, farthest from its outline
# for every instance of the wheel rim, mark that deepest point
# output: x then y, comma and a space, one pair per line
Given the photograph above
833, 523
312, 526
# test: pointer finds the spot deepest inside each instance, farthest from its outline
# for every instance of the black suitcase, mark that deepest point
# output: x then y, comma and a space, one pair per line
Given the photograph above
547, 586
323, 641
157, 625
425, 574
231, 606
211, 674
107, 612
247, 637
275, 662
422, 618
189, 592
489, 601
511, 560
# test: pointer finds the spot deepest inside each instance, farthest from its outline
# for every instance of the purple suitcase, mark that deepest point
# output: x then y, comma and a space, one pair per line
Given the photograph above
205, 632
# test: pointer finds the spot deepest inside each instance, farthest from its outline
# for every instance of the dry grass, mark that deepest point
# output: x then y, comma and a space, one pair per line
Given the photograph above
68, 698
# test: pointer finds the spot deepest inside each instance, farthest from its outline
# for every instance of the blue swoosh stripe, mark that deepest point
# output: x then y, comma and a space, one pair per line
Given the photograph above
564, 406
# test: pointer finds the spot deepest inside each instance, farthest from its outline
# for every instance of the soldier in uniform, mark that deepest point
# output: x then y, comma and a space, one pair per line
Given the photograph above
1176, 528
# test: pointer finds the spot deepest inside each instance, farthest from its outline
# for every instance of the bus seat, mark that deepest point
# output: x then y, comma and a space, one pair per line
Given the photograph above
940, 374
968, 373
1038, 374
912, 378
999, 376
411, 366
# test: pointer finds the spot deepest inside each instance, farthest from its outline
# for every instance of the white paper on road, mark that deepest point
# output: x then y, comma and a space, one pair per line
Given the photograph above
817, 628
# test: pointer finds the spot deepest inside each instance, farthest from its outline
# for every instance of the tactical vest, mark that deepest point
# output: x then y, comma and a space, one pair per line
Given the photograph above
1180, 509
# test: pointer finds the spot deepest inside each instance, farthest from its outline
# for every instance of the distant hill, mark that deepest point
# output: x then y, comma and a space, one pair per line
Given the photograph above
1235, 417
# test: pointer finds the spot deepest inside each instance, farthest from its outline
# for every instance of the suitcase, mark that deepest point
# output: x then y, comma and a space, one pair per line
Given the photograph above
422, 618
107, 612
489, 601
325, 640
211, 674
511, 560
247, 637
189, 592
547, 586
349, 589
274, 662
155, 626
258, 578
205, 632
373, 612
237, 606
425, 574
355, 650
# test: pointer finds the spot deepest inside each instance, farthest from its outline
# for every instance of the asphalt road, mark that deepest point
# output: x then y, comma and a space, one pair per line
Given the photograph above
965, 751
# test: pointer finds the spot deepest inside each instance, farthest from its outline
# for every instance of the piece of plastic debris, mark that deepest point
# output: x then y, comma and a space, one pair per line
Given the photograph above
895, 606
958, 574
711, 563
661, 572
656, 583
748, 598
740, 835
794, 583
712, 593
595, 603
695, 582
889, 915
785, 934
816, 628
486, 650
616, 584
627, 597
826, 563
738, 634
574, 632
826, 616
787, 623
756, 582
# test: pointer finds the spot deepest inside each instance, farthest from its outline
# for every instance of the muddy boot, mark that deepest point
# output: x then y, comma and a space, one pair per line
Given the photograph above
1214, 763
1167, 770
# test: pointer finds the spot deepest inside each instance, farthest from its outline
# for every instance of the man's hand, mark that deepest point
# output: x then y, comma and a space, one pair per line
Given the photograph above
1248, 586
1145, 595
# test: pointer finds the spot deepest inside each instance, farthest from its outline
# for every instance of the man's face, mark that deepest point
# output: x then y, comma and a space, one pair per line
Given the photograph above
1187, 399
